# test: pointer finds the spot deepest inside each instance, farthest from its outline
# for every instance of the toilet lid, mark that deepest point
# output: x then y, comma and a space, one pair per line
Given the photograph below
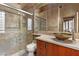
32, 45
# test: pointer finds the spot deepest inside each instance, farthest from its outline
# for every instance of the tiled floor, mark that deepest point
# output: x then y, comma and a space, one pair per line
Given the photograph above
25, 54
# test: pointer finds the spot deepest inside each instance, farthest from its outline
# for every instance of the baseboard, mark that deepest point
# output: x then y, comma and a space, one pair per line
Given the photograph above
20, 53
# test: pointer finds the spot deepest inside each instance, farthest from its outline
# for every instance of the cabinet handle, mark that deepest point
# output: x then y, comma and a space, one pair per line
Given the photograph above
45, 45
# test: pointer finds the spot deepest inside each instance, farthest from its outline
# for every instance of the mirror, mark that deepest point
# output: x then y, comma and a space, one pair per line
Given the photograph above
69, 18
68, 24
39, 24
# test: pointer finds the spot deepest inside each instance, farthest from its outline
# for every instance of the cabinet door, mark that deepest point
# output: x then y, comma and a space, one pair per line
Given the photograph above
56, 50
71, 52
52, 49
64, 51
41, 48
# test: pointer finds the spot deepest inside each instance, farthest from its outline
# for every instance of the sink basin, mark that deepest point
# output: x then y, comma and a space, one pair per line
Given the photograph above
64, 41
61, 36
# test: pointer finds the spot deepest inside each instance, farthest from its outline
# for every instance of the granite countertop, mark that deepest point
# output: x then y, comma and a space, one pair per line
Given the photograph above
50, 39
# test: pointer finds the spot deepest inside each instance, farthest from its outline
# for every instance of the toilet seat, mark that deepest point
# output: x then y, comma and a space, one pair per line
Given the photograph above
31, 48
31, 45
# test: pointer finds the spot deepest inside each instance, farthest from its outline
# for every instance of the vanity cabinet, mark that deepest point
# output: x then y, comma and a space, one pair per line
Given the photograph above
41, 48
50, 49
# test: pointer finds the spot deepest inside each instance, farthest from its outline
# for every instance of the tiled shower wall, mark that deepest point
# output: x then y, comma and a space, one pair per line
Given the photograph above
15, 36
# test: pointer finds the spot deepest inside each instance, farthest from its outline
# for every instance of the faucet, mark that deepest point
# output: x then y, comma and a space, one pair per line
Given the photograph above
73, 38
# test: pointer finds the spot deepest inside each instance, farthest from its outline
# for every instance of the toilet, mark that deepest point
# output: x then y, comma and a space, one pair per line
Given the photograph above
30, 48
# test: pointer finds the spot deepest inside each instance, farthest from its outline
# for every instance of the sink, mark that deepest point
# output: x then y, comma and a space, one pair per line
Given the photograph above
64, 41
61, 36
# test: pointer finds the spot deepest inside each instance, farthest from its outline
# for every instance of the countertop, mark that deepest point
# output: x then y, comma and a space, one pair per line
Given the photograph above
50, 39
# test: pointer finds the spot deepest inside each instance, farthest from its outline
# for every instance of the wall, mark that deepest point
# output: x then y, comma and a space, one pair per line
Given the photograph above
50, 13
15, 37
14, 5
68, 10
54, 19
40, 20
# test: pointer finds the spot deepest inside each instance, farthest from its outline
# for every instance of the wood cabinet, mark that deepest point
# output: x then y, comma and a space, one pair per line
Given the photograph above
50, 49
41, 48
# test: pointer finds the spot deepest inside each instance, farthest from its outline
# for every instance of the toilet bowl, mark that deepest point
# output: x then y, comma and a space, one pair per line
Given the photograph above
31, 49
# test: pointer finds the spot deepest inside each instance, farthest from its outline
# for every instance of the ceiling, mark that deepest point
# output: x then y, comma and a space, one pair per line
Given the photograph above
31, 6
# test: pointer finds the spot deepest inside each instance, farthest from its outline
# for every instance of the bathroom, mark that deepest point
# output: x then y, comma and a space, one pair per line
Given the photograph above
25, 26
